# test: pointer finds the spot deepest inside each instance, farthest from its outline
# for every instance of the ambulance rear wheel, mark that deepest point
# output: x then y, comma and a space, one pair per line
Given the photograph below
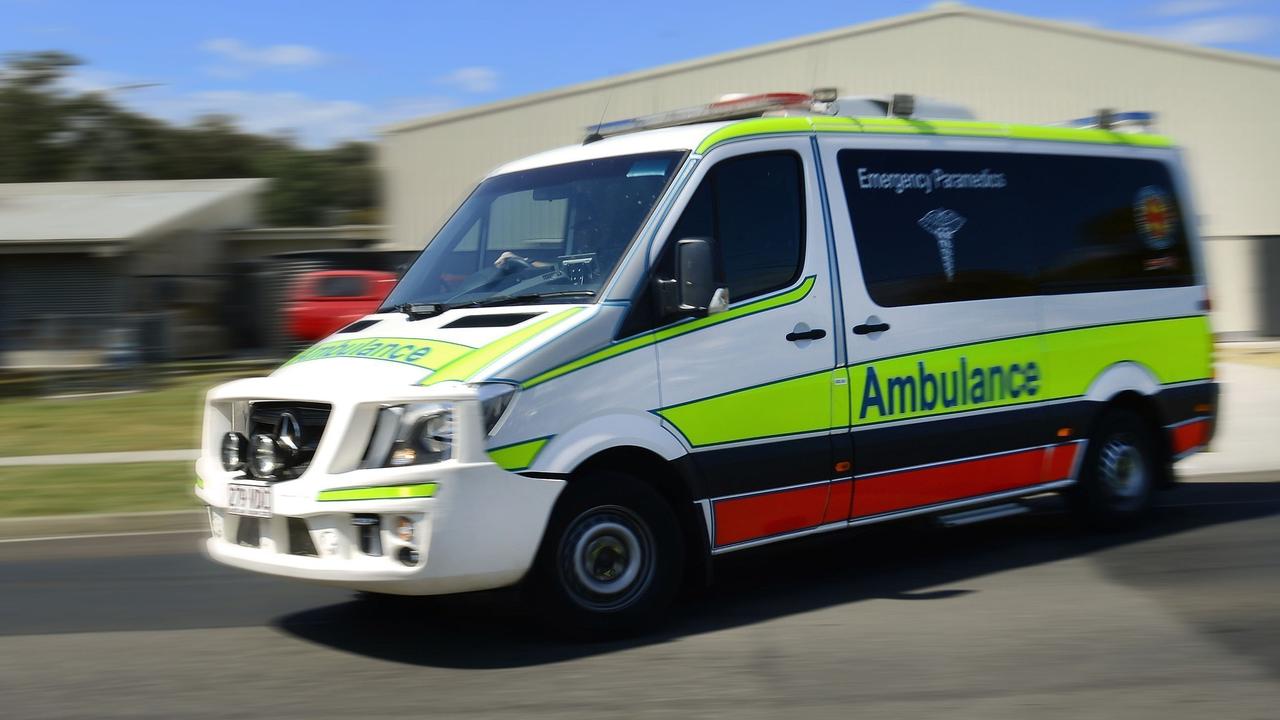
1120, 472
612, 558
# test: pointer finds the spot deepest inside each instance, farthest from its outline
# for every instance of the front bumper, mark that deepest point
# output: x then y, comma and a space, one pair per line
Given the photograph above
479, 530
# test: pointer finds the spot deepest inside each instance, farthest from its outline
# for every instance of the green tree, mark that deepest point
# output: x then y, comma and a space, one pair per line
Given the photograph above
37, 127
48, 134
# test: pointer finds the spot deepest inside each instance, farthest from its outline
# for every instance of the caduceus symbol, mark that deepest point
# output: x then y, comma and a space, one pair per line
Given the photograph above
943, 224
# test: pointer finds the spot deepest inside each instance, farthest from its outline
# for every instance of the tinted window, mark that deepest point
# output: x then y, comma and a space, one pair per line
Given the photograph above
948, 226
341, 286
1109, 224
752, 208
937, 227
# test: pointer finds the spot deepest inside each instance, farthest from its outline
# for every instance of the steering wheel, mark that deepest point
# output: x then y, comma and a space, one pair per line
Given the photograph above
514, 265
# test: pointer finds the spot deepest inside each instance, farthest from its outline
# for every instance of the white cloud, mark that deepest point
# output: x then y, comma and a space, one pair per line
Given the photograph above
85, 80
269, 56
1175, 8
315, 122
1225, 29
270, 112
474, 79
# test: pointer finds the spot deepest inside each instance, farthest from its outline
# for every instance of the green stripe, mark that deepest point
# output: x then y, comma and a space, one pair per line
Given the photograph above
770, 302
788, 407
471, 363
429, 354
1174, 350
518, 456
907, 126
382, 492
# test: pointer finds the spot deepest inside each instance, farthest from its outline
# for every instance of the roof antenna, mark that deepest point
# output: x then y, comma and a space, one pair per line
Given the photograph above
595, 134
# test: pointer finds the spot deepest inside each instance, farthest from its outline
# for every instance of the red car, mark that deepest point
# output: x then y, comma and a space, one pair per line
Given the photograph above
325, 300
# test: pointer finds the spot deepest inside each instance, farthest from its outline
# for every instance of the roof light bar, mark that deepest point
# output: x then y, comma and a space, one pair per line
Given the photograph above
1111, 120
730, 108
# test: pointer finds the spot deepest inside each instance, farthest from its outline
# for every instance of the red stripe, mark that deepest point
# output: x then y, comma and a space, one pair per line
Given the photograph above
838, 505
757, 516
1059, 461
1189, 436
775, 513
931, 485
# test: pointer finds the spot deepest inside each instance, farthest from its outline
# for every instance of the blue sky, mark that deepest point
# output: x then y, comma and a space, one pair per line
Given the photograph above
328, 70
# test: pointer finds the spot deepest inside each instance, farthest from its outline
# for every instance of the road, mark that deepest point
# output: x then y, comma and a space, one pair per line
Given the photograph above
1018, 618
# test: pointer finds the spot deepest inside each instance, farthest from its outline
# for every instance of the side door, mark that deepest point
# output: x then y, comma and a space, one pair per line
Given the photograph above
938, 287
750, 390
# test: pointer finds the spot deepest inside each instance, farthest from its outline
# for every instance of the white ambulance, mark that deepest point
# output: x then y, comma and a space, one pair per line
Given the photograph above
703, 331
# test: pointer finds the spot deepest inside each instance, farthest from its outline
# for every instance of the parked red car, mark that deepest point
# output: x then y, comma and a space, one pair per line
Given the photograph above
325, 300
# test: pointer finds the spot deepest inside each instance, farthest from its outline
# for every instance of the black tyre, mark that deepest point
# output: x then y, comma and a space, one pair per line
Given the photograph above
1121, 469
612, 557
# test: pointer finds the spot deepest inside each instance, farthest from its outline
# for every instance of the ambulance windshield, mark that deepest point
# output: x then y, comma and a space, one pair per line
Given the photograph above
550, 233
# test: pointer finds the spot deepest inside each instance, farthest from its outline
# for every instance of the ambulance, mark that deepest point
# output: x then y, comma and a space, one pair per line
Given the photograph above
711, 329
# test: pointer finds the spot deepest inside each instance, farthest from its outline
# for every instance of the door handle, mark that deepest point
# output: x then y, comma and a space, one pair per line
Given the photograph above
814, 334
865, 329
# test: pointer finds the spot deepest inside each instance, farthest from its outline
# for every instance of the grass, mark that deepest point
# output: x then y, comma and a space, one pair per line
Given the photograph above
64, 489
166, 418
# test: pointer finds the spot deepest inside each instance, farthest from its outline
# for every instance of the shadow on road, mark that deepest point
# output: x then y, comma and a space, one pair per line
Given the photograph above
912, 560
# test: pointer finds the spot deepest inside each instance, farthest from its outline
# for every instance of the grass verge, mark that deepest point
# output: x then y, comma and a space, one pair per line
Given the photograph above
64, 489
165, 418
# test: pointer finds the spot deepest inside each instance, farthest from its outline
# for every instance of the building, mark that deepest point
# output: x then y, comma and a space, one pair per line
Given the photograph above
82, 263
175, 268
1005, 67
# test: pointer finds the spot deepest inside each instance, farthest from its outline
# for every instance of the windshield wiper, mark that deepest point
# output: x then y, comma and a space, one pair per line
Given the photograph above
421, 311
517, 299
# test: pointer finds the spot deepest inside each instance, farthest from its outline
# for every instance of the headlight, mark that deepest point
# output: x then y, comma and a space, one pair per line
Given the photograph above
233, 451
411, 435
495, 398
266, 461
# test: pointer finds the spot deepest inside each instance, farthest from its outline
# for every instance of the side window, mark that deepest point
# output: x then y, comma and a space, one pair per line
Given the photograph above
752, 207
1110, 224
470, 241
528, 225
936, 227
341, 286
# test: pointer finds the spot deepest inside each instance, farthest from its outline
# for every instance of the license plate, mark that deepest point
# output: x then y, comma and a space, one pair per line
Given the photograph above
251, 500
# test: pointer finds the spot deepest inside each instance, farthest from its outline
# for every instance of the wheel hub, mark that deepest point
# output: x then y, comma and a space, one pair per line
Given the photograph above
606, 558
1123, 469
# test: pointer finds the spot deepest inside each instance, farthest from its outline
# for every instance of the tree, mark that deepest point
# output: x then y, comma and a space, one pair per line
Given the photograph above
36, 125
48, 134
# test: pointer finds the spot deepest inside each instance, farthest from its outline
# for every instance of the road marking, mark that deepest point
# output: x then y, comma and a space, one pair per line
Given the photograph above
128, 456
102, 535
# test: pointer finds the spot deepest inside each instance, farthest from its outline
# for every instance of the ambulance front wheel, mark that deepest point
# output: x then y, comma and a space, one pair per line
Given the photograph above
612, 558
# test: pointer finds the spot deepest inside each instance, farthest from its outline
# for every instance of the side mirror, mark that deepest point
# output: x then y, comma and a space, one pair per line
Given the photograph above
693, 291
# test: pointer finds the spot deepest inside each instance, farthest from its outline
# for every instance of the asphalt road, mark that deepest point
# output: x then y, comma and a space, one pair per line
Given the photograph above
1027, 617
